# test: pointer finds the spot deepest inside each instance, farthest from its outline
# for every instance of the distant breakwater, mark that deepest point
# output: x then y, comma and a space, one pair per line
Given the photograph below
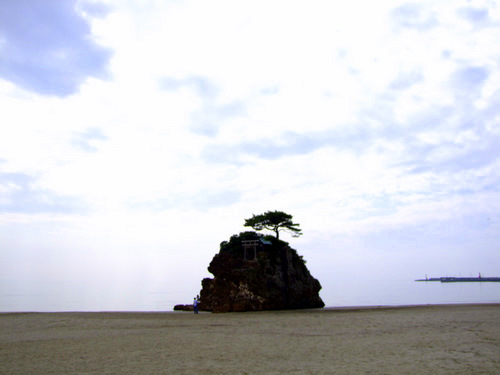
461, 279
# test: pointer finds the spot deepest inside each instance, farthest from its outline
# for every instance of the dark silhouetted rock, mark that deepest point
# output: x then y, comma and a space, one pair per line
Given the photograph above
267, 275
183, 308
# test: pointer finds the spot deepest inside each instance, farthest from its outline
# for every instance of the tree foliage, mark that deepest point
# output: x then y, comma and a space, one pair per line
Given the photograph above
276, 221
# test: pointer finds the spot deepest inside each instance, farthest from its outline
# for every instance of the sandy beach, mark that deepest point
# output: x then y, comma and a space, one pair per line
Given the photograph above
443, 339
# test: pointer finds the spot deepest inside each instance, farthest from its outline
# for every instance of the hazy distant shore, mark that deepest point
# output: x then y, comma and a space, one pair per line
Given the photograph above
445, 339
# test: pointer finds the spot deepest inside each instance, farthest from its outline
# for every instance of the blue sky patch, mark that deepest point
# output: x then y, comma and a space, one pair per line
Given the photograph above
47, 47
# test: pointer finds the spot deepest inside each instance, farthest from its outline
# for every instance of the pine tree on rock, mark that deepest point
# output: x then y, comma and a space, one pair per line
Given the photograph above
276, 221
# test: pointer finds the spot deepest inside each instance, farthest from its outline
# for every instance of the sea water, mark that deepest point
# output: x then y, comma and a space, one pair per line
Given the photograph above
339, 293
410, 292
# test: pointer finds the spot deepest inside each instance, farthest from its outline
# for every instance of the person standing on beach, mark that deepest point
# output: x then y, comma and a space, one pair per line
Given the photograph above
195, 305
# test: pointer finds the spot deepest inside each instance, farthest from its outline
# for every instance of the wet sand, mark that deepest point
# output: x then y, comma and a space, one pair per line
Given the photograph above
443, 339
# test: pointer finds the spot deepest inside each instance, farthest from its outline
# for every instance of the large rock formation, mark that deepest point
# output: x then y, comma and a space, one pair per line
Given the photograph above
253, 273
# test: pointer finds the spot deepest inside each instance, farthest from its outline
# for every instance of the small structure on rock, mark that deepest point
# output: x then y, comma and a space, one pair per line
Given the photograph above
250, 248
253, 272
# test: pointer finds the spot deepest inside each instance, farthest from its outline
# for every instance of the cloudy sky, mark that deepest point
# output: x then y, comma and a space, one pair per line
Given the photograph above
137, 135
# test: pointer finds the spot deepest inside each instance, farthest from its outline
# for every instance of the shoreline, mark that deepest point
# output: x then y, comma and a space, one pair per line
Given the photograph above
328, 309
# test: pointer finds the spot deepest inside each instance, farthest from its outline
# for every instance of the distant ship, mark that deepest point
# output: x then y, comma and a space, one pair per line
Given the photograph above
461, 279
